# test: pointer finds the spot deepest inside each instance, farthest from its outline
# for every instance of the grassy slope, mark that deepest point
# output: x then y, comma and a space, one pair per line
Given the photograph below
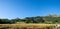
20, 26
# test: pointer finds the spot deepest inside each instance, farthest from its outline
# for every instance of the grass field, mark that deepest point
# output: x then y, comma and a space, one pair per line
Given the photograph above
26, 26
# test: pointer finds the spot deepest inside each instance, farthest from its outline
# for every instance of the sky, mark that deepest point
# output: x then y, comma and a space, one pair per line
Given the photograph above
28, 8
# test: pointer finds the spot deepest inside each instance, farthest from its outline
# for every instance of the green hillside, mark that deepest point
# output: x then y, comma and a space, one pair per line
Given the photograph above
50, 19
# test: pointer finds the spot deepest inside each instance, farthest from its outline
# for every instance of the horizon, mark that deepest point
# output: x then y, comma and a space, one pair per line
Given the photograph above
35, 16
28, 8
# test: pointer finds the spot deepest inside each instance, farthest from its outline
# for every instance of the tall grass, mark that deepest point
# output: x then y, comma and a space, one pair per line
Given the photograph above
26, 26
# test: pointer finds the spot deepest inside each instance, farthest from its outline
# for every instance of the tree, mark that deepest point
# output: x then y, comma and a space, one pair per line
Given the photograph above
39, 19
4, 21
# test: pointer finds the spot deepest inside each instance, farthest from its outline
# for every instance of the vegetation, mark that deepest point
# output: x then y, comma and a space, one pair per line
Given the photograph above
38, 22
26, 26
50, 19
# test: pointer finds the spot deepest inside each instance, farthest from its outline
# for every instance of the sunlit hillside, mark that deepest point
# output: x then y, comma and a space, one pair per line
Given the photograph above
26, 26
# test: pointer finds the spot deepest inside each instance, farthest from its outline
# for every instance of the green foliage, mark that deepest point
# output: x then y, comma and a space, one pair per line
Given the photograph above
38, 19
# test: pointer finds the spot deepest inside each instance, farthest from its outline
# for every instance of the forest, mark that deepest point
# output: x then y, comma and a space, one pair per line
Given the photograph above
49, 19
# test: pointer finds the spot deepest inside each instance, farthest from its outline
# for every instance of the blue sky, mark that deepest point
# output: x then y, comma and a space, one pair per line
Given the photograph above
28, 8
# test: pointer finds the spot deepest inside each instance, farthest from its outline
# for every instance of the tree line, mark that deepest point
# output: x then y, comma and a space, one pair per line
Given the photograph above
38, 19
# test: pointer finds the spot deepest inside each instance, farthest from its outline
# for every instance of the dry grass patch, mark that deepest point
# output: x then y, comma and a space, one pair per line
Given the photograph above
26, 26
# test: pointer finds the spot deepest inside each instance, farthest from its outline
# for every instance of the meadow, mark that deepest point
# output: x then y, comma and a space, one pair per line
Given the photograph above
38, 22
26, 26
